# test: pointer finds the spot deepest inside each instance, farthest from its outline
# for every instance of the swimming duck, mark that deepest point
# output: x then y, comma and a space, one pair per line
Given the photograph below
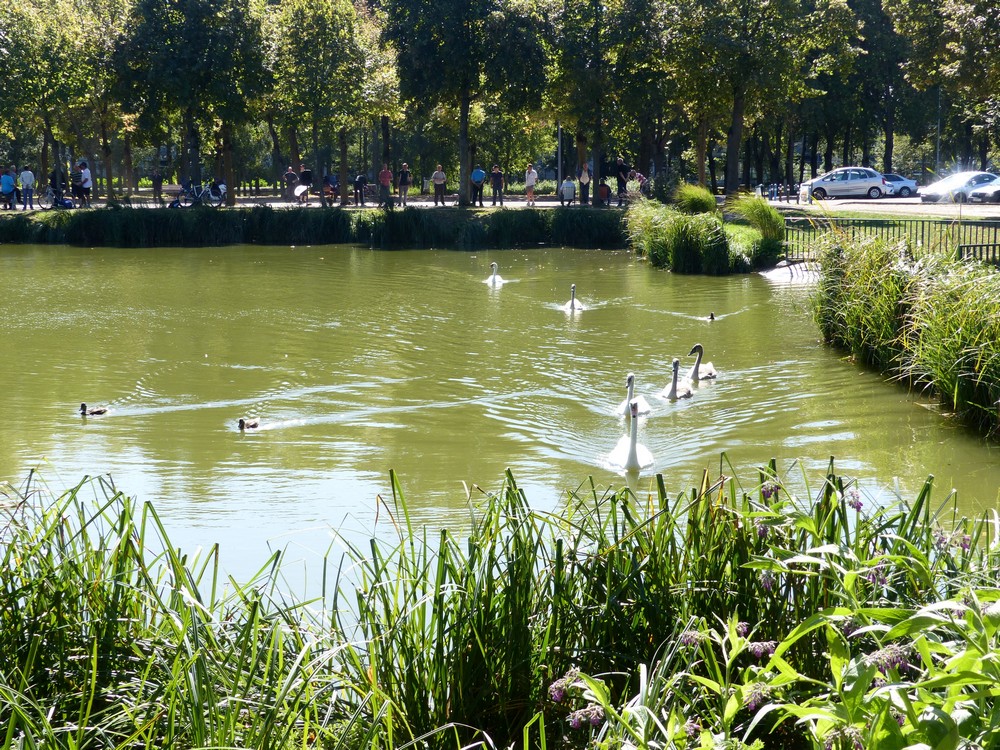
249, 424
92, 411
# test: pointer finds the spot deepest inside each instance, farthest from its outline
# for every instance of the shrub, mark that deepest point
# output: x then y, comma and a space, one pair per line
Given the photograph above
761, 215
646, 226
694, 199
697, 244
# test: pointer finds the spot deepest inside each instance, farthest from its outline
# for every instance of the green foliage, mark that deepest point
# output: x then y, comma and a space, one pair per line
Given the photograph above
694, 199
761, 215
933, 322
697, 244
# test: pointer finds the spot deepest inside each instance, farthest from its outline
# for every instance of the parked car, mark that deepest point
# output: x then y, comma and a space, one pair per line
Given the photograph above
987, 193
900, 186
955, 187
846, 181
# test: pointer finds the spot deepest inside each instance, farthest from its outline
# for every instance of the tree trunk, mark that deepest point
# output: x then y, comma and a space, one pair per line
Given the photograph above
277, 160
193, 146
889, 128
733, 140
106, 157
464, 155
789, 172
710, 153
386, 154
317, 169
984, 150
828, 152
342, 143
228, 175
129, 167
294, 152
701, 149
848, 146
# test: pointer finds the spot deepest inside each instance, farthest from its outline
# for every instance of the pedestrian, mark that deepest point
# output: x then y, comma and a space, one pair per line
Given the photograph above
7, 192
290, 179
496, 184
360, 183
385, 187
306, 181
439, 181
27, 188
530, 178
157, 180
478, 180
76, 186
603, 195
404, 183
567, 191
585, 180
86, 183
621, 174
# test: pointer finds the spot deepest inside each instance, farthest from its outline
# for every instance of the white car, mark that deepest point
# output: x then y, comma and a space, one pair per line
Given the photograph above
988, 193
901, 186
843, 182
956, 187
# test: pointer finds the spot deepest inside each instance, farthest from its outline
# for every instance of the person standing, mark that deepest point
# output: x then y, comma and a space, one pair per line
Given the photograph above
439, 180
404, 183
621, 174
585, 180
496, 184
290, 180
27, 188
7, 189
530, 178
306, 181
86, 183
385, 187
478, 180
157, 180
360, 183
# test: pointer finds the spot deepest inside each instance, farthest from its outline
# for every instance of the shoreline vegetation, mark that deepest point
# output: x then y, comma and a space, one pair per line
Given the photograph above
743, 613
926, 320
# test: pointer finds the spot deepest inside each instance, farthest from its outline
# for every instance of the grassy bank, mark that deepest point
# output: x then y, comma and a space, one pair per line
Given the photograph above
657, 621
442, 228
931, 322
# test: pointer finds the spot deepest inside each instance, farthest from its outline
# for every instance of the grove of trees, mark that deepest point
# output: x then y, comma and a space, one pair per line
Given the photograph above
723, 92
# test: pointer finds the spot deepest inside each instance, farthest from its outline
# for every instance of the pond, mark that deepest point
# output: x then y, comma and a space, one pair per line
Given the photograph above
357, 362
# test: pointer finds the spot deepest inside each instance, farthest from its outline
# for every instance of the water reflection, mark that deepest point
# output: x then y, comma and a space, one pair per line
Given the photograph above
358, 361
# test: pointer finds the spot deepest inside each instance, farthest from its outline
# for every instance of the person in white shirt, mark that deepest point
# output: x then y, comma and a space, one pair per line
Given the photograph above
27, 188
86, 183
530, 178
567, 191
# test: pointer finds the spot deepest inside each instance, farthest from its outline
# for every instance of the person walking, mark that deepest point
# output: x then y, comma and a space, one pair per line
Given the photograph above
496, 184
530, 178
86, 183
157, 180
621, 174
404, 183
360, 183
439, 180
385, 187
585, 180
27, 188
478, 180
290, 180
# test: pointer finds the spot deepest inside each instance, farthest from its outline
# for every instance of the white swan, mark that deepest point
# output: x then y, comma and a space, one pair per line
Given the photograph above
494, 278
573, 305
628, 454
624, 408
676, 390
700, 370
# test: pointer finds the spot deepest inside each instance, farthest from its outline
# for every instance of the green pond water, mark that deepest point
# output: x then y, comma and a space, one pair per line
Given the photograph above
357, 362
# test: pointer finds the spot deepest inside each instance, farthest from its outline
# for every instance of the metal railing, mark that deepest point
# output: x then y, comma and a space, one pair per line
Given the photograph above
802, 234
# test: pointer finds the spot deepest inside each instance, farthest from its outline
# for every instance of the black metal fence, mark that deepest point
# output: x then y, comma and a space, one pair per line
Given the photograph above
938, 235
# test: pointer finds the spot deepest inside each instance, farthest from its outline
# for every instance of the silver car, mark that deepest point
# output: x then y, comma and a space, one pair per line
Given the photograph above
846, 181
904, 187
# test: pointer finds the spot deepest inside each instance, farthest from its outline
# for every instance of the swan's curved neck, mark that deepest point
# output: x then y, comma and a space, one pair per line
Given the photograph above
632, 462
629, 397
673, 385
697, 364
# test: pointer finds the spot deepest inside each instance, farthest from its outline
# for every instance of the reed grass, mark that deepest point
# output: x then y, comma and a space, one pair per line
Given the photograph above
115, 639
932, 322
694, 199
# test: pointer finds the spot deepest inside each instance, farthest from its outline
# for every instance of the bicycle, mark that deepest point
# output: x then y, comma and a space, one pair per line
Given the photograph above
213, 195
52, 198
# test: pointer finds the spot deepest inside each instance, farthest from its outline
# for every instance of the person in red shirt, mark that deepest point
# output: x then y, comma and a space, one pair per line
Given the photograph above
385, 187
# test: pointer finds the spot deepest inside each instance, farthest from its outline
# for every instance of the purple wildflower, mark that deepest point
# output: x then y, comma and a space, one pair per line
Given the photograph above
761, 649
854, 499
767, 580
895, 656
768, 490
762, 529
941, 540
876, 575
692, 728
592, 714
849, 627
742, 628
691, 638
844, 737
966, 542
756, 695
559, 688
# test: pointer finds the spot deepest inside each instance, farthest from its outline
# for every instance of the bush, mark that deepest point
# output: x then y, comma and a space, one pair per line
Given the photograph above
761, 215
697, 244
694, 199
